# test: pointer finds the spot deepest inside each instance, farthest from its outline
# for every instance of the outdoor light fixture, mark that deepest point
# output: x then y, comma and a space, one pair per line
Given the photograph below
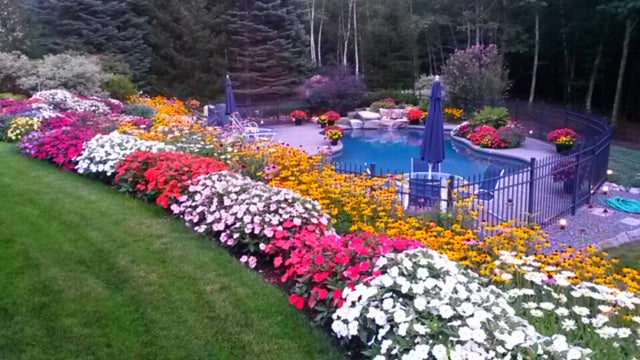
530, 132
609, 172
563, 223
605, 189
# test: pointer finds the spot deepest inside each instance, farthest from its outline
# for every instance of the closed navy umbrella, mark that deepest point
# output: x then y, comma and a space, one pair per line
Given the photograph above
229, 98
432, 149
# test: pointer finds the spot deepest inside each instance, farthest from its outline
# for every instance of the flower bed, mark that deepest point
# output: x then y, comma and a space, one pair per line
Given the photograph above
364, 281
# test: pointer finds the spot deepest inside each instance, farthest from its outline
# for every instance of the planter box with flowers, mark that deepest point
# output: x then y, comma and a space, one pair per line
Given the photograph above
297, 116
564, 138
333, 134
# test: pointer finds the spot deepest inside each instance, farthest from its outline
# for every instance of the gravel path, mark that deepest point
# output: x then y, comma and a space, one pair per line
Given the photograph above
592, 225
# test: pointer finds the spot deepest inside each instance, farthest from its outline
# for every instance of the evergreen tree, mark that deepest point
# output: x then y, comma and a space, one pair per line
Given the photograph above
113, 27
388, 47
187, 42
266, 48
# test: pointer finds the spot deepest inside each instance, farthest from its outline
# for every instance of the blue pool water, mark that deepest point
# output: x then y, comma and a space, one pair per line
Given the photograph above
392, 150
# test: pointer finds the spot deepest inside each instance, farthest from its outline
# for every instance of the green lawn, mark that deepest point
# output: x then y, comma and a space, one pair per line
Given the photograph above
86, 272
629, 255
625, 164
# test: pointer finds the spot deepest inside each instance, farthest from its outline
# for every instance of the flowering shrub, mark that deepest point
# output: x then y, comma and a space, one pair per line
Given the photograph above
61, 146
333, 132
423, 306
319, 265
162, 176
475, 76
298, 114
563, 136
21, 126
415, 115
486, 136
512, 134
240, 210
101, 154
328, 118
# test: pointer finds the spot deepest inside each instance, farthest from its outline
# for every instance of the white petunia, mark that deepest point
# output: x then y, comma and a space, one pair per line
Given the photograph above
439, 352
580, 310
420, 303
446, 311
547, 306
561, 311
536, 313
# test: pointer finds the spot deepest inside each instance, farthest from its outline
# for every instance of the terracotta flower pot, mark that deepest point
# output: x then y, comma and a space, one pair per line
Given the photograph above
331, 122
298, 122
334, 142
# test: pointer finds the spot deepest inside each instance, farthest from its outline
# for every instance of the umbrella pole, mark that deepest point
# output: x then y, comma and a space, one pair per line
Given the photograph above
430, 165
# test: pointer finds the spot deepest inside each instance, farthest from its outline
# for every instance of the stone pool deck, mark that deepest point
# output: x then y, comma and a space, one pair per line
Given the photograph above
307, 137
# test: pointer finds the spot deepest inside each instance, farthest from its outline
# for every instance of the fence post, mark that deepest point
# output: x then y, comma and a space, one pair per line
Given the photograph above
532, 174
450, 192
577, 181
372, 169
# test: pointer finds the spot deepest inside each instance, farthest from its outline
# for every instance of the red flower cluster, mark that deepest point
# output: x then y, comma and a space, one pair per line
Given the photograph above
321, 265
62, 145
486, 136
164, 175
416, 115
556, 134
332, 115
298, 114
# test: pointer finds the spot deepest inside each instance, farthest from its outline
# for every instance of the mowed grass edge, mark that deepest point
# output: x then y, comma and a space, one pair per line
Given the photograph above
87, 272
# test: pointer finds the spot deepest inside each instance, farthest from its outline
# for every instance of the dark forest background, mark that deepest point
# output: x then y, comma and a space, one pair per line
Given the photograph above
270, 47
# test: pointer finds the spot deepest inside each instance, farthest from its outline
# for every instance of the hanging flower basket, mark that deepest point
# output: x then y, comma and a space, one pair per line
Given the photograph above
560, 148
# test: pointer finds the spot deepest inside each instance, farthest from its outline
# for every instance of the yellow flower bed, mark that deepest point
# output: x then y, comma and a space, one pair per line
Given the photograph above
161, 104
170, 123
21, 126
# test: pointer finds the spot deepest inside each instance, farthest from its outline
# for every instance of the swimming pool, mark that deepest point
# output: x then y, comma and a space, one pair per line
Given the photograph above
392, 150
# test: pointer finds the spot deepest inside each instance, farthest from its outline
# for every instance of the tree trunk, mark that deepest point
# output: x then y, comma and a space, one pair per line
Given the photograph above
565, 53
594, 71
534, 72
347, 35
312, 41
629, 25
355, 37
477, 23
319, 47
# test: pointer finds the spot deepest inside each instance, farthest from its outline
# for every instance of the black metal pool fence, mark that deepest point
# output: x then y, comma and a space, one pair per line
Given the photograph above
539, 192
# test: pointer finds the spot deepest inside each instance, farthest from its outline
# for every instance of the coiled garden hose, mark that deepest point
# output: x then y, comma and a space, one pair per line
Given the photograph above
624, 204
